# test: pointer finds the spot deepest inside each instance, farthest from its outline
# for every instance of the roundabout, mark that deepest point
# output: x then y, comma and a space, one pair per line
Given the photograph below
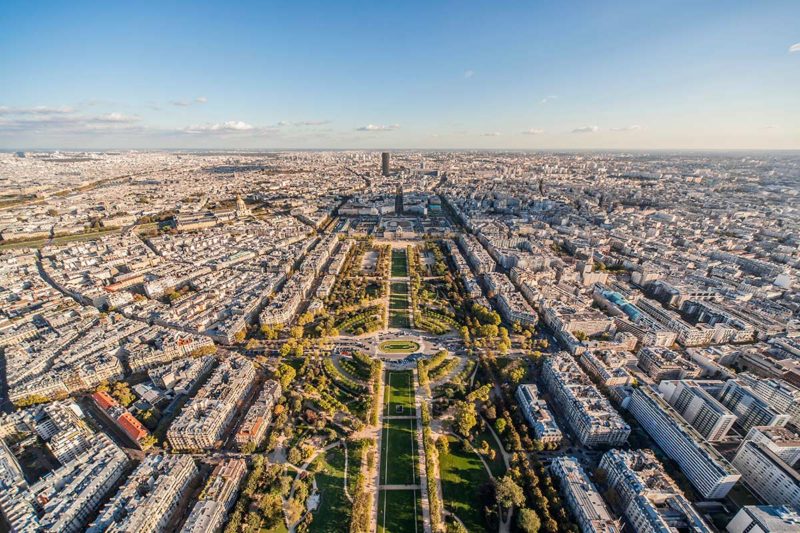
399, 346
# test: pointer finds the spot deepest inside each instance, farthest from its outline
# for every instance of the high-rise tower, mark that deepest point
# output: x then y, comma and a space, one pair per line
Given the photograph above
385, 163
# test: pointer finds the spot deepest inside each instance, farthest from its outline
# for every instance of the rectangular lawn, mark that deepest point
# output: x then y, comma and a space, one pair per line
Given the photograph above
399, 454
399, 391
399, 511
399, 263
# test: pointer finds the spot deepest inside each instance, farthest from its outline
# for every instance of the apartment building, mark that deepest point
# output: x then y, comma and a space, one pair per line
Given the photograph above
258, 416
146, 501
749, 407
217, 498
650, 499
582, 497
697, 405
204, 420
774, 481
706, 468
538, 414
588, 413
765, 519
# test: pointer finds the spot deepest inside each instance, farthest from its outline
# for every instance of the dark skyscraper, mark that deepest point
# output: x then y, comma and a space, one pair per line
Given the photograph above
385, 163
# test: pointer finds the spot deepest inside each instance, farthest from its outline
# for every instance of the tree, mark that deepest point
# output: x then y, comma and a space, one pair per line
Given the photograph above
443, 445
466, 418
286, 374
509, 494
296, 332
456, 527
295, 456
269, 332
148, 442
271, 508
500, 425
294, 509
122, 392
516, 375
528, 521
253, 521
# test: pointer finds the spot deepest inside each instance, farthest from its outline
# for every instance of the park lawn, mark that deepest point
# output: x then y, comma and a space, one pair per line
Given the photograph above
399, 454
399, 346
398, 298
498, 467
399, 319
399, 511
462, 473
398, 305
334, 507
399, 392
399, 263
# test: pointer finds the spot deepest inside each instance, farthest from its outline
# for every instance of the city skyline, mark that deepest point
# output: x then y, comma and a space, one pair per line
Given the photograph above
668, 75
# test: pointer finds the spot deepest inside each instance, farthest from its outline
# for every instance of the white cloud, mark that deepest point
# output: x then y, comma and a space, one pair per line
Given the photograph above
284, 123
468, 74
633, 127
491, 134
794, 48
533, 131
548, 99
586, 129
116, 118
231, 126
188, 103
38, 110
382, 127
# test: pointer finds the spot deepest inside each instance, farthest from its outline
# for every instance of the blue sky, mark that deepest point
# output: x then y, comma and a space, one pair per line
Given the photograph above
437, 74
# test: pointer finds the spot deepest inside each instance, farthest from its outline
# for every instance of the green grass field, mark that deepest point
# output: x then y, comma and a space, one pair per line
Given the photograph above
398, 297
399, 511
399, 263
462, 473
399, 454
398, 305
399, 394
399, 346
334, 507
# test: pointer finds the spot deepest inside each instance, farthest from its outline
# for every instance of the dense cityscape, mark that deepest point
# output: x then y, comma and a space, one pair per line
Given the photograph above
399, 341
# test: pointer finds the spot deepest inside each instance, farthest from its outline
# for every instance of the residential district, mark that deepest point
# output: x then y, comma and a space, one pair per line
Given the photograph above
399, 342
